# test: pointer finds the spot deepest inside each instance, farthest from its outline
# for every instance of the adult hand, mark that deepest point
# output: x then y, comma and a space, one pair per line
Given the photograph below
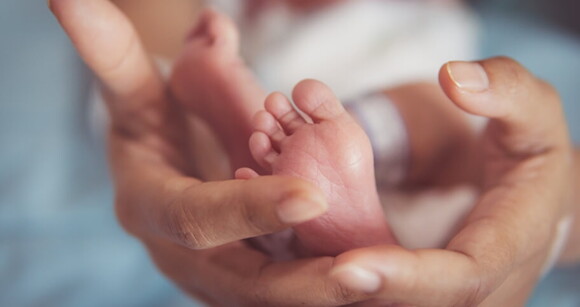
181, 220
525, 198
191, 228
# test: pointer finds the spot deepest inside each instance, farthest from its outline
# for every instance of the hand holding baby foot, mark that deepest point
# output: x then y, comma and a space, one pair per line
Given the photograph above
331, 151
494, 257
192, 229
511, 235
334, 153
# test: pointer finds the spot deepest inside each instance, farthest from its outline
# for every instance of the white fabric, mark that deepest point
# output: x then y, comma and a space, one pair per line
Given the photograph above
427, 219
387, 132
358, 46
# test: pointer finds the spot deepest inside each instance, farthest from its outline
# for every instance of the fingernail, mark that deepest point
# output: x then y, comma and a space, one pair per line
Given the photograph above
298, 210
469, 76
357, 278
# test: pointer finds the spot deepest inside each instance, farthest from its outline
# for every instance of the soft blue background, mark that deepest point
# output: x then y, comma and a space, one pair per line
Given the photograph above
59, 242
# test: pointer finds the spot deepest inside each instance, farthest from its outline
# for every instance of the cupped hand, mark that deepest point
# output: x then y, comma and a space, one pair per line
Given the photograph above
192, 229
523, 209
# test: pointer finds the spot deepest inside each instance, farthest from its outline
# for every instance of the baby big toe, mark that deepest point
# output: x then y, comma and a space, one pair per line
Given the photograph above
317, 101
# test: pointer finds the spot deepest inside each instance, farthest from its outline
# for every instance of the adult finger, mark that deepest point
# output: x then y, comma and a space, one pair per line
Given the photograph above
110, 46
204, 215
518, 102
516, 218
419, 278
250, 278
527, 150
468, 273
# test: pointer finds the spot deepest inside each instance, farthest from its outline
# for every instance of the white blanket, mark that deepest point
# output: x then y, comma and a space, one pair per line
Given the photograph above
358, 46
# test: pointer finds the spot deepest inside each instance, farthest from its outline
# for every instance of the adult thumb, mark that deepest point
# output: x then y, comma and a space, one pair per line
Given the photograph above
526, 111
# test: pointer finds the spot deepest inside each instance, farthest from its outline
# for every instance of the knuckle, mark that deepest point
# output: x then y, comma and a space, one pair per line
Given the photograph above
514, 74
130, 120
185, 227
257, 220
191, 239
341, 294
509, 63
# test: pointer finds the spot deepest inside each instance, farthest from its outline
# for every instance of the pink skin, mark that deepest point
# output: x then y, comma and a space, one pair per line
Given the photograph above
220, 88
333, 152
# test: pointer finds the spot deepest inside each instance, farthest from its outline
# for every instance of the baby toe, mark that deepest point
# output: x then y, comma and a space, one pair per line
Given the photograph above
262, 150
283, 111
317, 101
266, 123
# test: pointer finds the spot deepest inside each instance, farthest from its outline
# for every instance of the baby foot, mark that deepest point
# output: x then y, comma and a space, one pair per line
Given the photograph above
211, 79
333, 152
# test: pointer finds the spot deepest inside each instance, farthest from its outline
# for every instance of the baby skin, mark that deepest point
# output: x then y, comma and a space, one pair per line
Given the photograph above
324, 146
328, 148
